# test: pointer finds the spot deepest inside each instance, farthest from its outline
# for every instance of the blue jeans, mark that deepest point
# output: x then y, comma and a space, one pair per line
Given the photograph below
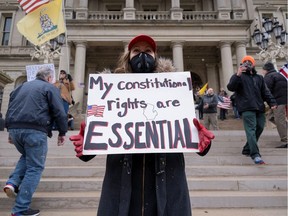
32, 144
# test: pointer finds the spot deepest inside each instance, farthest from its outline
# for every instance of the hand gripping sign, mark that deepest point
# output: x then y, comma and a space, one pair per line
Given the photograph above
140, 113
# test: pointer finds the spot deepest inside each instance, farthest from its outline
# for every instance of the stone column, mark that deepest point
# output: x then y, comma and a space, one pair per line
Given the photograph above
79, 72
64, 62
176, 11
207, 5
212, 77
240, 47
178, 61
227, 64
82, 11
83, 4
129, 10
237, 9
69, 9
224, 9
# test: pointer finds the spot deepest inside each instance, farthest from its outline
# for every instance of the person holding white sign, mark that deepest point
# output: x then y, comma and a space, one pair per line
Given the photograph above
151, 184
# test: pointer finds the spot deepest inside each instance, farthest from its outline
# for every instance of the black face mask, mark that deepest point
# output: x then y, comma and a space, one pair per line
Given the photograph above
142, 63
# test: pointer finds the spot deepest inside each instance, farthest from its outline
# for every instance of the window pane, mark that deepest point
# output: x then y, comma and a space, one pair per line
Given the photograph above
5, 39
7, 25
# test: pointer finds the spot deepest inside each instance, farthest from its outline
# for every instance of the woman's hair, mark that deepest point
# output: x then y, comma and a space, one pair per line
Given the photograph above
123, 65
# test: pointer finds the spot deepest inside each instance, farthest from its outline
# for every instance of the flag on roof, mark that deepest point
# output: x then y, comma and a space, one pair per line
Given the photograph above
43, 24
95, 110
31, 5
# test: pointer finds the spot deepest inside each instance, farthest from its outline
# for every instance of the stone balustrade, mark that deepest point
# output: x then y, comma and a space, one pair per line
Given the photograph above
152, 15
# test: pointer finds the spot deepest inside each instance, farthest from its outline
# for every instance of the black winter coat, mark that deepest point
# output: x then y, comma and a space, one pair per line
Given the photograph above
145, 184
251, 92
277, 84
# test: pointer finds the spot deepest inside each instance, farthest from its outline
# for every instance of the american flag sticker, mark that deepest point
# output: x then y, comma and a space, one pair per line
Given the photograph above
95, 110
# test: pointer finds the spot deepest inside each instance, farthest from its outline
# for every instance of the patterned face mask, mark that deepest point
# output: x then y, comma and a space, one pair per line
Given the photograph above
142, 63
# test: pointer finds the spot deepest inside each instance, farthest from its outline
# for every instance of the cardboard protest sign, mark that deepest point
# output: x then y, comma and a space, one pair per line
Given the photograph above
32, 70
140, 113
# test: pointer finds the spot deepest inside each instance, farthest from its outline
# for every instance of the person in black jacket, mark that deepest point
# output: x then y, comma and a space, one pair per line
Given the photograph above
144, 184
31, 110
251, 92
277, 84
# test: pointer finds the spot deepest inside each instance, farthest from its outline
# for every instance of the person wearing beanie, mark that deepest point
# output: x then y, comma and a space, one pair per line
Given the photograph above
277, 84
251, 92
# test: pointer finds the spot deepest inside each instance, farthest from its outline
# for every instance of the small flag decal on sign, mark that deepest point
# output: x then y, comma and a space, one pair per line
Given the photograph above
95, 110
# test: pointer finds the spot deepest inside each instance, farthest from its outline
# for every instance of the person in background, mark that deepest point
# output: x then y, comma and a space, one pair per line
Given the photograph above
277, 84
2, 123
251, 93
31, 110
66, 85
233, 102
198, 99
70, 122
209, 103
222, 94
144, 184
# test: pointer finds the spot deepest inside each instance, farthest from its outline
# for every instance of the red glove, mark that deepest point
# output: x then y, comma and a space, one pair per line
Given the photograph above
78, 140
205, 137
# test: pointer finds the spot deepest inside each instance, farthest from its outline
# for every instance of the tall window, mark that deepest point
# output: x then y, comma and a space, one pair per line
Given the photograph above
6, 30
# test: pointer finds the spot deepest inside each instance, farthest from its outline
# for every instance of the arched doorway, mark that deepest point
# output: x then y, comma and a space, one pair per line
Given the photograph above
196, 80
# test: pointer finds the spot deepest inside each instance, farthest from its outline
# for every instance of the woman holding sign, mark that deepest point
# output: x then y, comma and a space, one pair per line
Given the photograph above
144, 184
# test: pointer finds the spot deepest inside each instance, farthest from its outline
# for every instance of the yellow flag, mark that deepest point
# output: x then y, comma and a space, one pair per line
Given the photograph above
203, 89
43, 24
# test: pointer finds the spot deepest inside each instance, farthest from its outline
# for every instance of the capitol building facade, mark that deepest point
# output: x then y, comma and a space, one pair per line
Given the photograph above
208, 38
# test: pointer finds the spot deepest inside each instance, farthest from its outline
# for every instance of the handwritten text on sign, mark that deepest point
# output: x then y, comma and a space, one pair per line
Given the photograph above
140, 113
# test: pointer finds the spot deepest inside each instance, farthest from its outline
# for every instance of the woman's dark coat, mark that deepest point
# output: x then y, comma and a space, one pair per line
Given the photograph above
145, 184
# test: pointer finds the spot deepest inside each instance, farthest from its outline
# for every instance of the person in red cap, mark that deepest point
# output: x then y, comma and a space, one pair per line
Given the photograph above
144, 184
251, 92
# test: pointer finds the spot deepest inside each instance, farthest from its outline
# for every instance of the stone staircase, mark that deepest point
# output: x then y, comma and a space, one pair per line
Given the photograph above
222, 183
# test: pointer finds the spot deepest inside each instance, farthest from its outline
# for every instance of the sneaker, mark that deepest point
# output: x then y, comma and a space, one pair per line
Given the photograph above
28, 212
282, 146
10, 190
258, 160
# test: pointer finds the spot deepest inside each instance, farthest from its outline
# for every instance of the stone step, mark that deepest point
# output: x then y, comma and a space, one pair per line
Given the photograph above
279, 211
93, 171
199, 199
210, 183
215, 150
190, 159
223, 179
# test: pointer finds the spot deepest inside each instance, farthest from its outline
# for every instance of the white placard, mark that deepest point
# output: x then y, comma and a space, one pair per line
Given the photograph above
33, 69
140, 113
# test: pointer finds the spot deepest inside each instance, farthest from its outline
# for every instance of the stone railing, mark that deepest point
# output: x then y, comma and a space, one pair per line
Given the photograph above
152, 15
105, 15
200, 15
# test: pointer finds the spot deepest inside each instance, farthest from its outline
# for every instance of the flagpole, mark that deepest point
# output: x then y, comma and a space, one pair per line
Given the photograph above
66, 38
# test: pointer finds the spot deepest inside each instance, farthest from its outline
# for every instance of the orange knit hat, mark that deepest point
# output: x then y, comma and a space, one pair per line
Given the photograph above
248, 58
